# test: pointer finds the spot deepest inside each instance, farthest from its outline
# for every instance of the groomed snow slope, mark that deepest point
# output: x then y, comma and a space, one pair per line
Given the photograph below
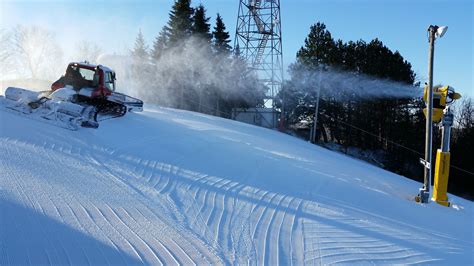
175, 187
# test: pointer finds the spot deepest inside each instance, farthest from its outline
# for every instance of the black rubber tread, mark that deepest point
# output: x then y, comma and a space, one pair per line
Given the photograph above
104, 109
108, 110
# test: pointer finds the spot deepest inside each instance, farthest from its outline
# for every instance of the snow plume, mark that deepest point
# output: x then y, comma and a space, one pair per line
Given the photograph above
189, 76
349, 85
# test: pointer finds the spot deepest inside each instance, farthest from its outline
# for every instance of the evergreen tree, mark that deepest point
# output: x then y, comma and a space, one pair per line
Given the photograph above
160, 44
222, 99
139, 68
221, 37
236, 52
318, 47
198, 79
180, 24
398, 120
351, 57
140, 49
201, 26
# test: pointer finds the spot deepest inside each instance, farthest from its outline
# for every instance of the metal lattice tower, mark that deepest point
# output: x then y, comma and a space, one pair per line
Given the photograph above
258, 39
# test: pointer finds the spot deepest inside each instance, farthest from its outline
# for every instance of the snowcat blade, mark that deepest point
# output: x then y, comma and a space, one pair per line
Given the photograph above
59, 113
132, 104
38, 116
17, 99
21, 95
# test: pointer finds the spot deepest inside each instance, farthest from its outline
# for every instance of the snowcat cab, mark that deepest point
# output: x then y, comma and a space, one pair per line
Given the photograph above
83, 96
97, 79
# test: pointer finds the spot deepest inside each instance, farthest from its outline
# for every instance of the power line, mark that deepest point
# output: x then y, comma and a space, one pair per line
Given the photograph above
393, 142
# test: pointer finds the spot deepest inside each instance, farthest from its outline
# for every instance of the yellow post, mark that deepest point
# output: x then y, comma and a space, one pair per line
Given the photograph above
441, 176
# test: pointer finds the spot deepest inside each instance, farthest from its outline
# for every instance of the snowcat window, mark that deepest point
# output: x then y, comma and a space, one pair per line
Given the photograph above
78, 77
87, 74
109, 81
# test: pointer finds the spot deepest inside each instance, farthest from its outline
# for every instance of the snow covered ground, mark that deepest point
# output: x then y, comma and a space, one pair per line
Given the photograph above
175, 187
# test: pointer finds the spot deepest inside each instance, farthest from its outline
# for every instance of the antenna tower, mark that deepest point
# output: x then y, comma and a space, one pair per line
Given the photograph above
258, 40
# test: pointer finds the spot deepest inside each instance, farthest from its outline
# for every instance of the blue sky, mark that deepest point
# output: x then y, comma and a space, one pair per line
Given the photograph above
401, 25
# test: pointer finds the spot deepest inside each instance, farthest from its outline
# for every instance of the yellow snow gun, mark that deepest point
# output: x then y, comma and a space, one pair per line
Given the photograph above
442, 96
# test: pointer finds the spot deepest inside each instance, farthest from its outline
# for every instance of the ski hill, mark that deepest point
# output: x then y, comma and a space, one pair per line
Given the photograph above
169, 187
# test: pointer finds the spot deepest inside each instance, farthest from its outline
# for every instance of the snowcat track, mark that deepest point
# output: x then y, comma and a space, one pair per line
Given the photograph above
110, 110
105, 109
132, 104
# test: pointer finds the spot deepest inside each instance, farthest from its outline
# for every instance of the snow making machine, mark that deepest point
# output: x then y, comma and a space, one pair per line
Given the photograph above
83, 97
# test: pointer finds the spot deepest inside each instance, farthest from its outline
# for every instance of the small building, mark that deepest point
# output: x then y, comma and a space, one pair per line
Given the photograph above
264, 117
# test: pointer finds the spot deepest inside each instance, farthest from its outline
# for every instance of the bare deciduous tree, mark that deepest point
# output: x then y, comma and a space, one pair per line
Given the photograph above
6, 53
35, 52
465, 116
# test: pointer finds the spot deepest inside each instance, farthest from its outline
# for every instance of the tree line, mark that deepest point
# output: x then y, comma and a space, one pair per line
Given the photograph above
192, 67
393, 129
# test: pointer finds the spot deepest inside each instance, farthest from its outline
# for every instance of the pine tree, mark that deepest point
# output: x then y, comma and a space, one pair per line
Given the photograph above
397, 120
140, 49
236, 52
180, 24
160, 44
201, 26
221, 37
318, 48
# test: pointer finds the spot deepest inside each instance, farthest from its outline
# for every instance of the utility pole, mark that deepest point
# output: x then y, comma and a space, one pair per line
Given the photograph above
424, 196
316, 108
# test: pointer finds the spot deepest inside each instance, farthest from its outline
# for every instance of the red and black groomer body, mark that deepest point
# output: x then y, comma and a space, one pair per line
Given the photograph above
84, 96
95, 85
